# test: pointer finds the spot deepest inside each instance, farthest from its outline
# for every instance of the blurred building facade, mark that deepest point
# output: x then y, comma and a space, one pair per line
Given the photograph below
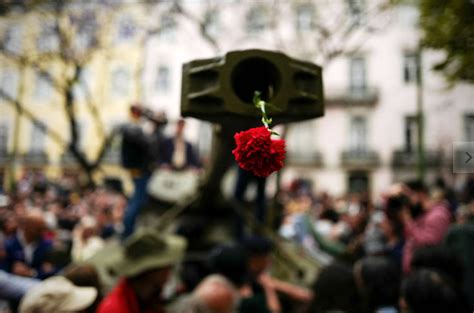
367, 138
107, 84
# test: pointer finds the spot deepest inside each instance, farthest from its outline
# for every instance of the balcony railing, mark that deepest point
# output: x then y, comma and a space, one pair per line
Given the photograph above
314, 159
367, 96
35, 158
364, 158
409, 159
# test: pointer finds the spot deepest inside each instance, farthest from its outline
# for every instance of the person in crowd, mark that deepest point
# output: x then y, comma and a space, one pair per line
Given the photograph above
445, 261
27, 251
257, 296
262, 291
177, 153
427, 290
244, 179
460, 240
14, 287
146, 265
215, 294
335, 290
86, 241
136, 156
8, 229
392, 227
425, 222
231, 262
57, 294
378, 281
85, 275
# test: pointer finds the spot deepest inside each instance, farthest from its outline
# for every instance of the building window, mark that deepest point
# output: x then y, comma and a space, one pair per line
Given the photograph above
163, 79
211, 23
469, 127
300, 139
410, 67
168, 27
86, 26
38, 138
304, 17
408, 15
358, 182
48, 39
4, 138
257, 20
357, 77
9, 83
411, 133
126, 28
358, 133
121, 81
43, 87
356, 10
13, 39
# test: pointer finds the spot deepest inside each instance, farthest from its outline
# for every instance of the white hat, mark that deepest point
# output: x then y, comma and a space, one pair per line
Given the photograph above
55, 295
4, 201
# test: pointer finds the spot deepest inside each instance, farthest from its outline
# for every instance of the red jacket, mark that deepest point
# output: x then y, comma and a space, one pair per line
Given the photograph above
123, 299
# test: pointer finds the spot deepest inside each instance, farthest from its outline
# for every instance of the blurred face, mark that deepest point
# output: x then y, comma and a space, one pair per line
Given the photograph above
158, 278
10, 225
386, 227
259, 264
33, 228
180, 128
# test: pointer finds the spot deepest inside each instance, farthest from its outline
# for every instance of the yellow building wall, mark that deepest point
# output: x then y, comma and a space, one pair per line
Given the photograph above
112, 107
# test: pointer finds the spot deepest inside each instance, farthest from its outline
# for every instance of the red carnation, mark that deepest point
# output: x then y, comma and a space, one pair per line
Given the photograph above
257, 153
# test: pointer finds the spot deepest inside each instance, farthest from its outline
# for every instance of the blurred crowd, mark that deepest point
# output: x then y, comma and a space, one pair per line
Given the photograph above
411, 250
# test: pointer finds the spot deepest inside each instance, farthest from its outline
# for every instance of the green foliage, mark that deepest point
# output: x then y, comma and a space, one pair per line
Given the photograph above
449, 25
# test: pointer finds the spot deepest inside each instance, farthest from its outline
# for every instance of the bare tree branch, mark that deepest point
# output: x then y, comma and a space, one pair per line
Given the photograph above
20, 108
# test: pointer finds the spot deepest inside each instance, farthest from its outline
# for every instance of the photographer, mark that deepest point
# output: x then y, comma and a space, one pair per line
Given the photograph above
138, 155
425, 221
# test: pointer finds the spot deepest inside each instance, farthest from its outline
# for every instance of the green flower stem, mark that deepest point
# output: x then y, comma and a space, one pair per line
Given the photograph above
260, 104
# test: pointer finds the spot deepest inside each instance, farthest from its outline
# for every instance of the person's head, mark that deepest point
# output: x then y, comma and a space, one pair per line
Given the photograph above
9, 224
180, 125
259, 251
441, 259
136, 111
215, 294
335, 291
148, 259
57, 294
378, 282
150, 284
428, 290
85, 275
392, 225
33, 225
231, 262
418, 195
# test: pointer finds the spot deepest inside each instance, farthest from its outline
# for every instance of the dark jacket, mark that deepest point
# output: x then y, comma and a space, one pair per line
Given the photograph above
167, 150
14, 253
136, 150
